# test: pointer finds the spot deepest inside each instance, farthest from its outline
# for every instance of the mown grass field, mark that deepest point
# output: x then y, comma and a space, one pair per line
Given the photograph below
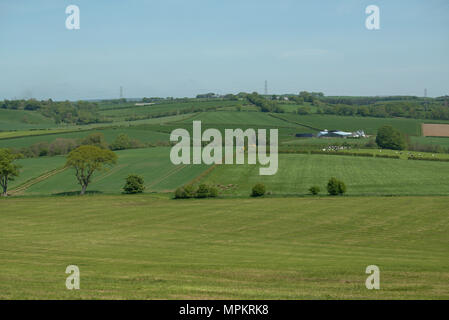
143, 247
362, 175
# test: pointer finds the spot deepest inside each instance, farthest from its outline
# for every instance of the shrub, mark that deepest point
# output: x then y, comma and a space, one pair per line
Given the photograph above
185, 192
134, 184
336, 187
180, 193
258, 190
314, 190
202, 192
213, 192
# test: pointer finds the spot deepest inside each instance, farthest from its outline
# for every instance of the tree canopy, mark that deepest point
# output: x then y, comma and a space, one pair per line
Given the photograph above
8, 169
86, 160
390, 138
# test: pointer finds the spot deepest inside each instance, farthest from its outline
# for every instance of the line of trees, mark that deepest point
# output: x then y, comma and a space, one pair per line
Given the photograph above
264, 104
62, 146
80, 112
388, 110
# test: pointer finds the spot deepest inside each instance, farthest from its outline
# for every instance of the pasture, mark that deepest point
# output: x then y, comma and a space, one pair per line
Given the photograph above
368, 124
362, 175
145, 247
22, 120
153, 164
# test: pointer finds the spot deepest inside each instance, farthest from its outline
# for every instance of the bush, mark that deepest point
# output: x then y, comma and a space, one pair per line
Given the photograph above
258, 190
336, 187
134, 184
185, 192
213, 192
314, 190
202, 192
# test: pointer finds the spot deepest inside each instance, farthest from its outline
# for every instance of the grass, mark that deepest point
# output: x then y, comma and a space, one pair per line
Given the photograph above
368, 124
143, 247
142, 133
22, 120
34, 167
363, 176
153, 164
257, 119
139, 111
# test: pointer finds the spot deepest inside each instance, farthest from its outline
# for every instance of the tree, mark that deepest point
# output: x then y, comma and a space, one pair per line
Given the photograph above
95, 139
390, 138
336, 187
88, 159
122, 142
314, 190
8, 170
134, 184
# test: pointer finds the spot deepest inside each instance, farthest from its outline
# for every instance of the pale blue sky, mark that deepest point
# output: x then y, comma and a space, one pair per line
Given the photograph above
181, 48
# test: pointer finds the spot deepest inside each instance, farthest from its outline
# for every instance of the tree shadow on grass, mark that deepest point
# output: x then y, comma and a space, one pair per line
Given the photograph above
76, 193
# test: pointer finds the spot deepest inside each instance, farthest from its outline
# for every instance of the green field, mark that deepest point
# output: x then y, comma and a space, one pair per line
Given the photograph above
118, 113
153, 164
142, 133
369, 125
286, 245
362, 175
22, 119
142, 247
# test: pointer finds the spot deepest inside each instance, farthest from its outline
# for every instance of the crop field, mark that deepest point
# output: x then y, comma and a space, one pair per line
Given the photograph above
435, 130
153, 164
257, 119
363, 176
136, 111
136, 132
144, 247
34, 167
369, 125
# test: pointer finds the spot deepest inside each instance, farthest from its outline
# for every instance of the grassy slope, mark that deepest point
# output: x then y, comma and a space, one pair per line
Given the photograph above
143, 247
151, 163
22, 119
139, 132
363, 176
123, 113
369, 125
34, 167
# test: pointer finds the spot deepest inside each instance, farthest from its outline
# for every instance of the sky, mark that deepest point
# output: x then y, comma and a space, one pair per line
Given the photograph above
182, 48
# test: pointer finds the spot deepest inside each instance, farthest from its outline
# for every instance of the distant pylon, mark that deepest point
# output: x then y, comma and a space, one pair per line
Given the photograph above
425, 93
266, 87
121, 92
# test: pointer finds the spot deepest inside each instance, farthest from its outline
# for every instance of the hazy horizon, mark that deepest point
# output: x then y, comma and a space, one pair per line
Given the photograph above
181, 49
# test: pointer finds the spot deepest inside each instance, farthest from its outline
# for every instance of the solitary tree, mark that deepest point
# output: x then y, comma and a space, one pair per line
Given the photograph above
8, 170
88, 159
390, 138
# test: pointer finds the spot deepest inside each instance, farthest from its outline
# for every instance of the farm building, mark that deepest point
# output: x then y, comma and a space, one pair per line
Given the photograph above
340, 134
305, 135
